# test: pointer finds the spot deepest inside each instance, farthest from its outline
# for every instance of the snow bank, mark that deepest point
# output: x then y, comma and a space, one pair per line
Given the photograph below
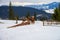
28, 32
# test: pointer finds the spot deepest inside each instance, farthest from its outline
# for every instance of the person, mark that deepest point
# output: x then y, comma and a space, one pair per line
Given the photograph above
27, 21
33, 19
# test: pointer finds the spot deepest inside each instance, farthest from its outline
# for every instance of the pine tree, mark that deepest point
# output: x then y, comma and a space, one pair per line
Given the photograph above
56, 15
28, 14
11, 12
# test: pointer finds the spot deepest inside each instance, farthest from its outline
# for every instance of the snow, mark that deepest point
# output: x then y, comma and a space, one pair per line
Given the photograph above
28, 32
50, 11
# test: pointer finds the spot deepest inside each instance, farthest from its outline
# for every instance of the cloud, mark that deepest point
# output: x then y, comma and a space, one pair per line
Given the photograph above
0, 1
31, 1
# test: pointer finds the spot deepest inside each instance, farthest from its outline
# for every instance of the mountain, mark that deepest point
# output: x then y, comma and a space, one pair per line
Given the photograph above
39, 8
22, 11
45, 6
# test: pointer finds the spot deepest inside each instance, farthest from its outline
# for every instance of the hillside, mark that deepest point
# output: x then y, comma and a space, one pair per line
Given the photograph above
21, 11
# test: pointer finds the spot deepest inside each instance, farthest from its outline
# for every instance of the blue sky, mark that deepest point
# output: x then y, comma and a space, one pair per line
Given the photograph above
34, 1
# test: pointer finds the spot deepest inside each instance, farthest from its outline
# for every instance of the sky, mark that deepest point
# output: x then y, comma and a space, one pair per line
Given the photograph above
33, 1
25, 2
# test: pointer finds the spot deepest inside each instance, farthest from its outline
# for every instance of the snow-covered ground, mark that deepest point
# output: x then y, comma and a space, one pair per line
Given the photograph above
28, 32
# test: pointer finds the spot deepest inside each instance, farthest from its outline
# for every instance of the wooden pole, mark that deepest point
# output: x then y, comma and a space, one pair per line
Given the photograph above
43, 22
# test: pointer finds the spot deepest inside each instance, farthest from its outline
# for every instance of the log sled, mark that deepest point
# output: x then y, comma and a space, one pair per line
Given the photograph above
19, 25
25, 22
